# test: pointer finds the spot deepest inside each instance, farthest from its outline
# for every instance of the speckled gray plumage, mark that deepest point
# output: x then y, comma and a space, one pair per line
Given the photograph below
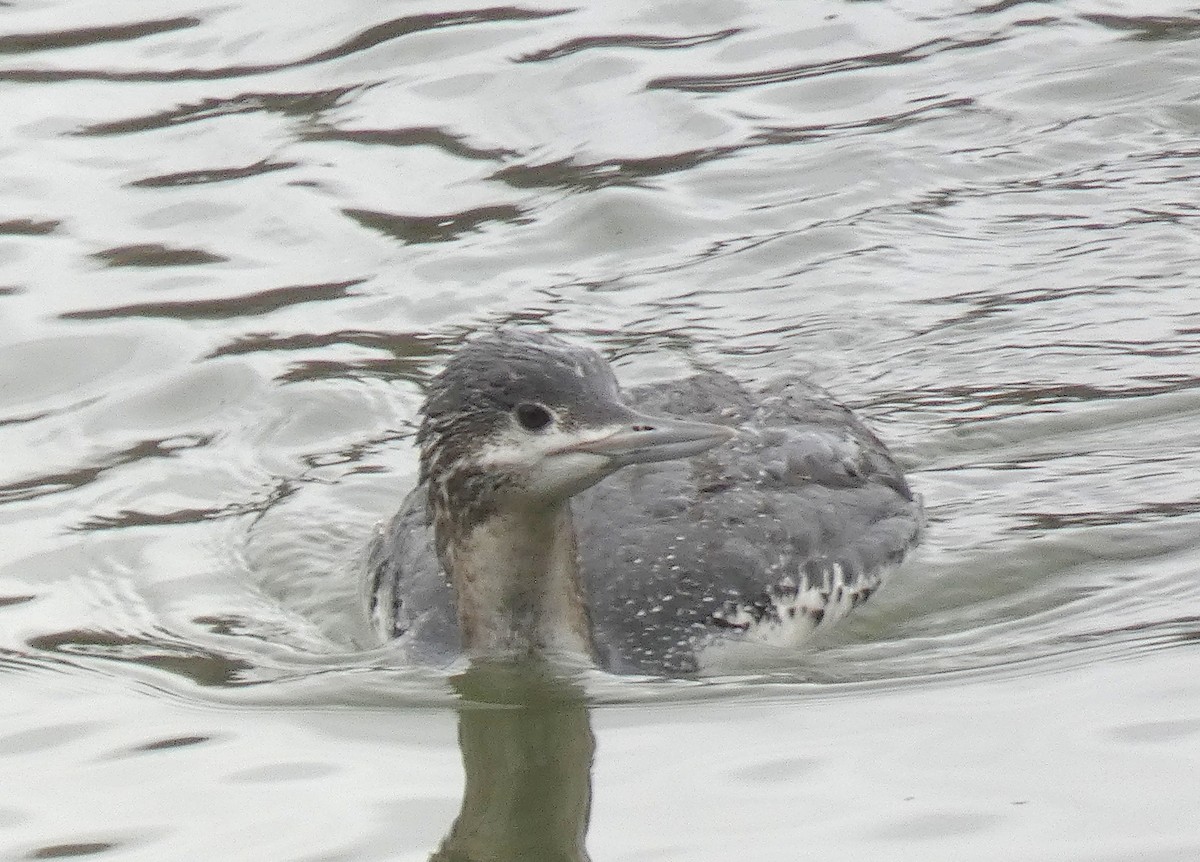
678, 554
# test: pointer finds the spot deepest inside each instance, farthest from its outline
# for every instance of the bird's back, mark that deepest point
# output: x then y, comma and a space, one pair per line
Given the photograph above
761, 540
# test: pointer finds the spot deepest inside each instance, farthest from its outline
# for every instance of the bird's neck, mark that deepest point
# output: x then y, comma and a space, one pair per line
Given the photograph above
516, 580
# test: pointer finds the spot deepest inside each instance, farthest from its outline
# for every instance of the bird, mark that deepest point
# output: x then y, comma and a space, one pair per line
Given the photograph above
558, 517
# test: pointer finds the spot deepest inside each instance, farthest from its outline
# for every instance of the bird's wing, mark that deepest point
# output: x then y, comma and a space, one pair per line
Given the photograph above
791, 524
408, 596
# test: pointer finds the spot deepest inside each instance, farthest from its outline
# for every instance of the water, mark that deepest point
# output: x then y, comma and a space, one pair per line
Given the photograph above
234, 240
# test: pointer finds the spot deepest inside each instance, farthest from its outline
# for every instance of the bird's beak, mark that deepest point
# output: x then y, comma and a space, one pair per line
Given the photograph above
642, 439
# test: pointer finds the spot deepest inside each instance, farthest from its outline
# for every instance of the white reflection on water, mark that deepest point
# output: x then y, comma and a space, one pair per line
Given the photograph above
234, 242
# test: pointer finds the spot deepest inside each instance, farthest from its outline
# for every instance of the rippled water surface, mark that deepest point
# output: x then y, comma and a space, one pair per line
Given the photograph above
236, 239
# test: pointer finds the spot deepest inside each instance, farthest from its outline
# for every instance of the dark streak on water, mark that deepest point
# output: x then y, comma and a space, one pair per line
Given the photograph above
240, 306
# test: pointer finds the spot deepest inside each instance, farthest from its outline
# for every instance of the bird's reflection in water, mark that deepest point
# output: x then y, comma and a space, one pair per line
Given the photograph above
527, 744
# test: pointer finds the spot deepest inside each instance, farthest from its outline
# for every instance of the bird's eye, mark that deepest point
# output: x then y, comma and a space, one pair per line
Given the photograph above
533, 417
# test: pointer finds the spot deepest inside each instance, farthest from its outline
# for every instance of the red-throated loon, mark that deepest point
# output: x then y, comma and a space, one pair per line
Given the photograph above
790, 513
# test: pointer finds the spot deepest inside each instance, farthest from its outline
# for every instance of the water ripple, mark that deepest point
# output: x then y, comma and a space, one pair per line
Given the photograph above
1149, 28
742, 80
437, 228
452, 144
627, 40
28, 43
236, 243
248, 305
371, 37
309, 105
